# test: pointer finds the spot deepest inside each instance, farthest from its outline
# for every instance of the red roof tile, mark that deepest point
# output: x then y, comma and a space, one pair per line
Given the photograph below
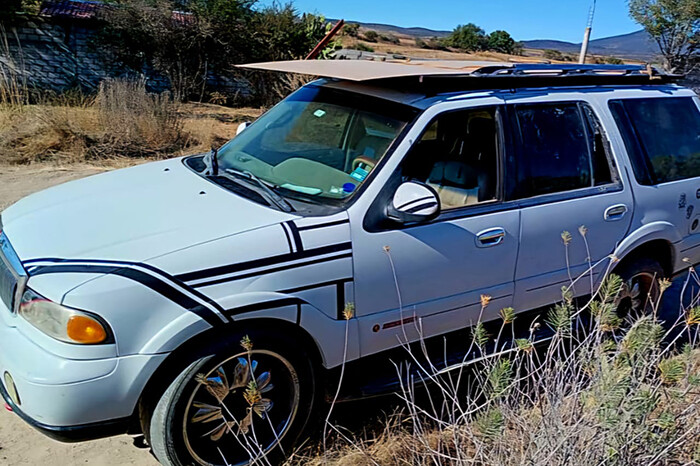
86, 9
76, 9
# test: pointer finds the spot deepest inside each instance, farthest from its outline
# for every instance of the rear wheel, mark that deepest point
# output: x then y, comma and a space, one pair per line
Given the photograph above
640, 292
236, 405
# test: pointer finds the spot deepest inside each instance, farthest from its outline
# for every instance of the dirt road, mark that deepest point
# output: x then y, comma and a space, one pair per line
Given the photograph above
19, 443
17, 182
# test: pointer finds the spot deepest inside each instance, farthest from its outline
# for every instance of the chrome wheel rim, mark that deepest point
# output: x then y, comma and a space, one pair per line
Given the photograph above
637, 295
241, 409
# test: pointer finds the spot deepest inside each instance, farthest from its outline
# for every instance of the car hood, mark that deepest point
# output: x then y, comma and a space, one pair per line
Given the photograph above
134, 214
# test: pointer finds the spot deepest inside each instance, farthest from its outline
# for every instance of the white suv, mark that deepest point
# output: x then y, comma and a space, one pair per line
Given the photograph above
205, 301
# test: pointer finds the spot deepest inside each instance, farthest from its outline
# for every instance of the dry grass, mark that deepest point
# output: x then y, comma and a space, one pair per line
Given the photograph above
13, 82
605, 391
122, 122
407, 47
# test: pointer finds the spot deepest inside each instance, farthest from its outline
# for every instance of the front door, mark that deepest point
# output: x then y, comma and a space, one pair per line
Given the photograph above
429, 279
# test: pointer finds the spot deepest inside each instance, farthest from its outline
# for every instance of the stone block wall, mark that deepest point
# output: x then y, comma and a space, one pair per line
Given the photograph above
60, 54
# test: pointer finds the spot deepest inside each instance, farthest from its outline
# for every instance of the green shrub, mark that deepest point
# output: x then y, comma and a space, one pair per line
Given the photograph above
551, 54
390, 38
362, 47
371, 36
351, 29
614, 61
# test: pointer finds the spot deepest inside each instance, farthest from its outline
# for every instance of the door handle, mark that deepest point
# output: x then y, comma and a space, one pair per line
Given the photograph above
615, 212
490, 237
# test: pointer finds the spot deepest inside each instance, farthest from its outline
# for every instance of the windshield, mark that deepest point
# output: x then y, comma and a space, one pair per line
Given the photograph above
318, 143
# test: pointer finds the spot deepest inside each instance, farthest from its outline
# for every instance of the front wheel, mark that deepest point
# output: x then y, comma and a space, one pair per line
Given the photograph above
241, 401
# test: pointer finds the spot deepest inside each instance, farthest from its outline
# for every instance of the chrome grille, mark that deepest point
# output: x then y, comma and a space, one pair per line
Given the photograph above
13, 278
8, 283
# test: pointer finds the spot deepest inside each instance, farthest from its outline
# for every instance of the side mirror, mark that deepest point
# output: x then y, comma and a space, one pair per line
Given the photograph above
242, 127
413, 203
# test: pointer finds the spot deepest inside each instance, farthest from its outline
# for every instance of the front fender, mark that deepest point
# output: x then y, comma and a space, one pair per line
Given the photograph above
328, 334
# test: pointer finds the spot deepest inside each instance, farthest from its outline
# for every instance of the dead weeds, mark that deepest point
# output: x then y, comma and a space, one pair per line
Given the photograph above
122, 122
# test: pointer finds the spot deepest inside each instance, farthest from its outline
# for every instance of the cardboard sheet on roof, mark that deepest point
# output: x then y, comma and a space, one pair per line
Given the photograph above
365, 70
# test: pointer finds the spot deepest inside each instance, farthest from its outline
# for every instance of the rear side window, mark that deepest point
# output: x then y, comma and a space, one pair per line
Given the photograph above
561, 149
662, 137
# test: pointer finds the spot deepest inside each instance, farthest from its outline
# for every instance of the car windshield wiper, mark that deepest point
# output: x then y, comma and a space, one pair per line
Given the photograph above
271, 196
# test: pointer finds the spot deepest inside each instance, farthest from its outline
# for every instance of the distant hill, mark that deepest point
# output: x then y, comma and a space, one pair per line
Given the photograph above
637, 45
404, 31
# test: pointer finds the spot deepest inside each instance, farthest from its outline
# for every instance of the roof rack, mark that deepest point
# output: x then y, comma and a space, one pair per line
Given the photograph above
566, 70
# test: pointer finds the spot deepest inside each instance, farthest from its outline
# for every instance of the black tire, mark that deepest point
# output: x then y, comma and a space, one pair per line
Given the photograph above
201, 417
640, 292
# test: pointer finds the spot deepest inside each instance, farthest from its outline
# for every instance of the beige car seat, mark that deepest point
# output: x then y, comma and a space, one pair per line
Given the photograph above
456, 183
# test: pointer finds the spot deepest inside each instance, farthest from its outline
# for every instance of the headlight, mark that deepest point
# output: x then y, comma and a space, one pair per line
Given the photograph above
62, 323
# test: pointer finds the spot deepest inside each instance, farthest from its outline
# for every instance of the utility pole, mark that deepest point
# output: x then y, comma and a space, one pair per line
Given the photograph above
587, 35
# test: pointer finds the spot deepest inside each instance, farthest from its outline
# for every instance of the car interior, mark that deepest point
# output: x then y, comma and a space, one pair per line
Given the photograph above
458, 157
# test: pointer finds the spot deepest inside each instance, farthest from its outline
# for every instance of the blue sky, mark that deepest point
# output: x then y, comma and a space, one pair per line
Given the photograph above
524, 19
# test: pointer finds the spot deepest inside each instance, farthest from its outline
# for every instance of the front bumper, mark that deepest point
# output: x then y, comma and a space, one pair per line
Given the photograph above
71, 434
71, 399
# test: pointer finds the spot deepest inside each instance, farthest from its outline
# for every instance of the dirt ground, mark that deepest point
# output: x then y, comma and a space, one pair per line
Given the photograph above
18, 182
19, 443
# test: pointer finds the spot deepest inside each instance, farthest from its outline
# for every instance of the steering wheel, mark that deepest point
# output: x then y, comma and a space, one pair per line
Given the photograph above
364, 160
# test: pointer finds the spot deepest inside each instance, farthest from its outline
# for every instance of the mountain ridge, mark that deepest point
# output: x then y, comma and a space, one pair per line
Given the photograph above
637, 45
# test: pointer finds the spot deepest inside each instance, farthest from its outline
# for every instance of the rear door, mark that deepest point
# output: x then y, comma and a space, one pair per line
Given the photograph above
574, 205
661, 133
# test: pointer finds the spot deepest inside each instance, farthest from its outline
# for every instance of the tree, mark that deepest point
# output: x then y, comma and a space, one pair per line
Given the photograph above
205, 36
501, 41
469, 37
143, 33
9, 8
351, 29
675, 26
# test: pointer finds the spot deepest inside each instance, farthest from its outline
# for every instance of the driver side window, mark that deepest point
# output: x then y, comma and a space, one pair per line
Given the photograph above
458, 155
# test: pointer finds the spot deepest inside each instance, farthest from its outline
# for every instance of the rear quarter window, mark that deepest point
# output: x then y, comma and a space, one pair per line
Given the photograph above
662, 137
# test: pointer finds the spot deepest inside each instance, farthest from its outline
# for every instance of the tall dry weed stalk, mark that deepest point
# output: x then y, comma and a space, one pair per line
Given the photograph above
14, 91
599, 389
140, 123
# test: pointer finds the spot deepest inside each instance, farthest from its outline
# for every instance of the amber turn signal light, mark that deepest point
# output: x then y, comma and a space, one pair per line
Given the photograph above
85, 330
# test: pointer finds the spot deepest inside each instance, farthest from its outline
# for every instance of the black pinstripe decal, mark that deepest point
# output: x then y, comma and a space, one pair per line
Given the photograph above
420, 207
405, 205
134, 264
273, 270
264, 262
265, 305
289, 239
295, 234
166, 290
323, 225
340, 300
